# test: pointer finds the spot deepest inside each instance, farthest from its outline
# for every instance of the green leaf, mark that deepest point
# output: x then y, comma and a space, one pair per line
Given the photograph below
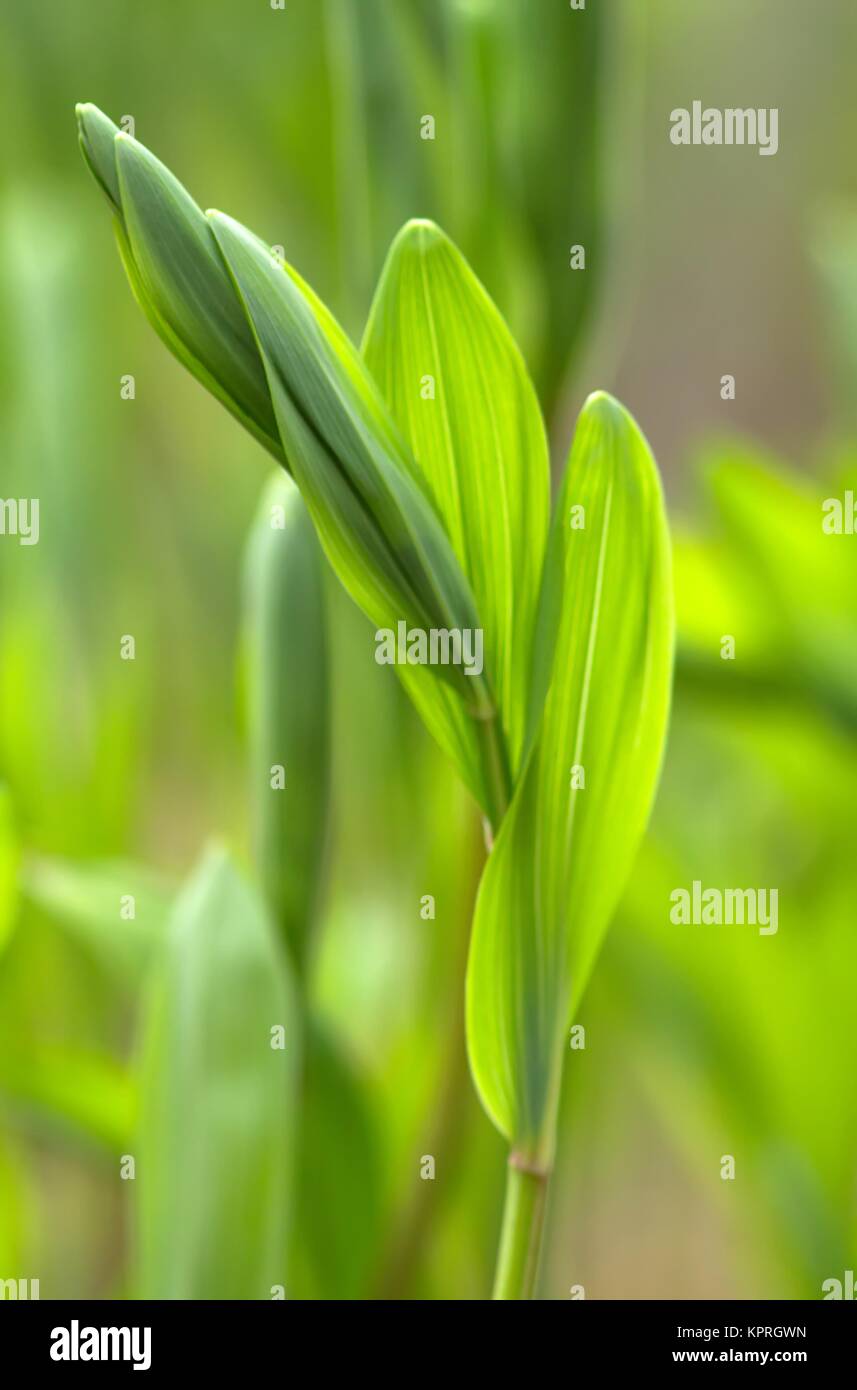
601, 688
96, 134
91, 902
338, 1216
260, 340
176, 273
365, 495
217, 1125
807, 579
288, 690
75, 1090
716, 593
458, 389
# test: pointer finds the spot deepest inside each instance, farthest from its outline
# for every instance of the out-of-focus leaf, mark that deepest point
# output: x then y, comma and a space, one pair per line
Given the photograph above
92, 902
9, 868
517, 100
288, 694
459, 390
365, 495
604, 647
716, 594
217, 1102
808, 577
551, 75
84, 1093
720, 1008
338, 1206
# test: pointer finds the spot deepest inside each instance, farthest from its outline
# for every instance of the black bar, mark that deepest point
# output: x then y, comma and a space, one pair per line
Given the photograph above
224, 1338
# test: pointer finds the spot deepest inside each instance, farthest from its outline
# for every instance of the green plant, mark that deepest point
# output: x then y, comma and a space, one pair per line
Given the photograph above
334, 1207
424, 468
210, 1063
287, 682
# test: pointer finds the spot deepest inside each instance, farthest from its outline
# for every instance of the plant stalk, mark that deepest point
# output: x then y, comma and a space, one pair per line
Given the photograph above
521, 1234
452, 1115
498, 775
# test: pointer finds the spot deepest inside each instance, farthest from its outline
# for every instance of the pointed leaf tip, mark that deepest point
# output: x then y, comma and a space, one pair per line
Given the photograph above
182, 275
96, 133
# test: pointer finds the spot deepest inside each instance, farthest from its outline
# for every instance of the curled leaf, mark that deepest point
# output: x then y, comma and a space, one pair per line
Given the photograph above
258, 338
177, 274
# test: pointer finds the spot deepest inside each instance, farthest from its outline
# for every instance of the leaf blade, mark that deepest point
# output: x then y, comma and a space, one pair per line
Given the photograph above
288, 699
86, 900
175, 272
217, 1120
478, 438
376, 525
551, 884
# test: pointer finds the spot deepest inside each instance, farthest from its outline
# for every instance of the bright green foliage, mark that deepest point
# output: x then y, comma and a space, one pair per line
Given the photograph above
604, 650
811, 602
217, 1122
786, 592
698, 1041
375, 522
460, 392
424, 470
70, 1090
9, 856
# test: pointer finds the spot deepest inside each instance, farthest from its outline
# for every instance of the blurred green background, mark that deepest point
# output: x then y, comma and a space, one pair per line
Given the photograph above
551, 131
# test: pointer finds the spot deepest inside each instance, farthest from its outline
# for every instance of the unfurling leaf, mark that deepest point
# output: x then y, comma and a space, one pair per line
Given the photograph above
254, 333
600, 703
458, 388
177, 274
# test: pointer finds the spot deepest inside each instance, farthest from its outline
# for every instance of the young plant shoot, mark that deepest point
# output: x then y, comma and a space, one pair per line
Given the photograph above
423, 464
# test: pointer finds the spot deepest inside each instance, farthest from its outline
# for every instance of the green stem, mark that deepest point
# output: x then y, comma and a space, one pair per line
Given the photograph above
453, 1117
351, 158
495, 762
521, 1235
